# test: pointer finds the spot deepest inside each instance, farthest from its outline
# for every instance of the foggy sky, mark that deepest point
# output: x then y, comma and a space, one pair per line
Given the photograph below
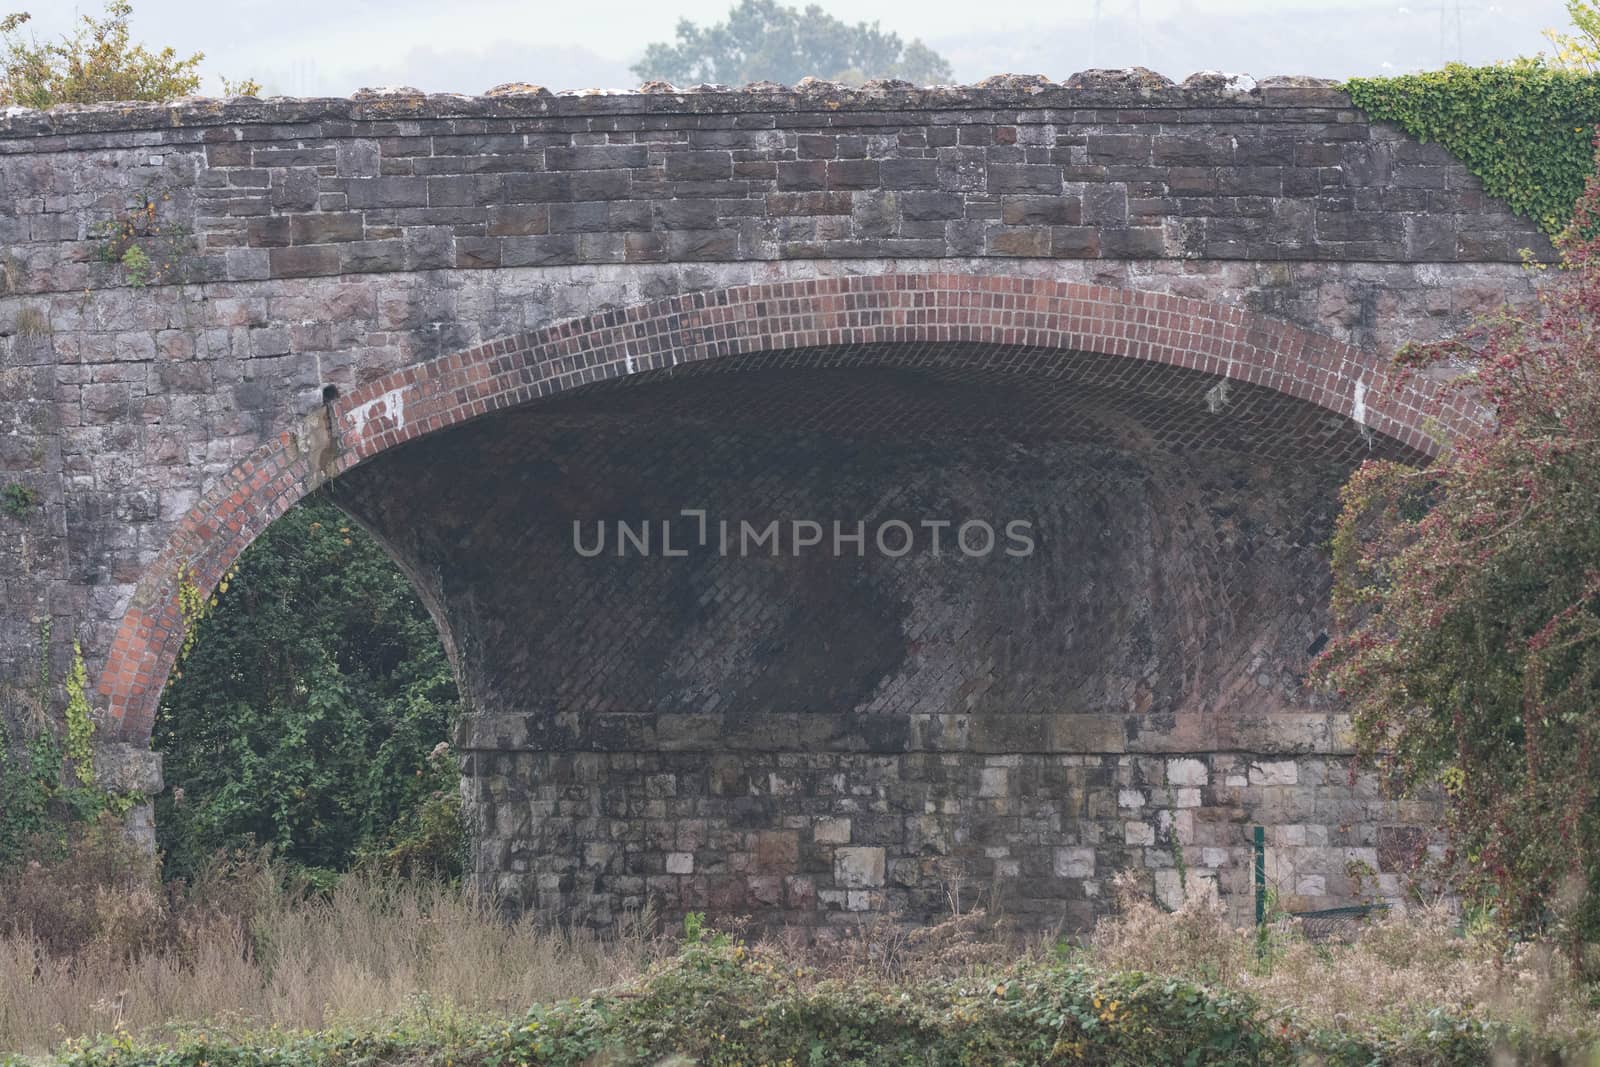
332, 47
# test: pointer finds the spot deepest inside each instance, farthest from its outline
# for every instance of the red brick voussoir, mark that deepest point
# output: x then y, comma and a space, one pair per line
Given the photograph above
989, 309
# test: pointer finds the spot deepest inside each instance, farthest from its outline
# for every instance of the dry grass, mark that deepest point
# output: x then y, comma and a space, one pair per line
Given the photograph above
95, 944
883, 952
1403, 967
371, 950
32, 322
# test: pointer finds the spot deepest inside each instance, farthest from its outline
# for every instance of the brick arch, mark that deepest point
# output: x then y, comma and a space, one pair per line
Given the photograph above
1228, 342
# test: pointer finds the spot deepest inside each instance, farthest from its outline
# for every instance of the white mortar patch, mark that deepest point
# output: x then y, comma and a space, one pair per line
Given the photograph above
391, 405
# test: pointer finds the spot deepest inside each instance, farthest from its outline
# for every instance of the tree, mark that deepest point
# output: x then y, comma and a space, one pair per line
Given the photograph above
309, 713
97, 62
764, 42
1579, 51
1467, 607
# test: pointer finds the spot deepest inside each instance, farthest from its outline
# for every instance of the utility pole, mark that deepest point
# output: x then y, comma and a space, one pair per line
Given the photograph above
1138, 30
1094, 36
1446, 10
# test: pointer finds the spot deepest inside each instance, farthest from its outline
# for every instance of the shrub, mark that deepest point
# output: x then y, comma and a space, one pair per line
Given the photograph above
97, 62
1467, 608
99, 890
308, 712
720, 1002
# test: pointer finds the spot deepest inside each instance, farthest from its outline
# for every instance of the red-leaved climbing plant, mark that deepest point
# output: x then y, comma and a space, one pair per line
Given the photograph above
1467, 607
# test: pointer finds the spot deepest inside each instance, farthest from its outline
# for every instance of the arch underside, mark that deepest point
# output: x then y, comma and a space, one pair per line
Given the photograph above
632, 711
833, 728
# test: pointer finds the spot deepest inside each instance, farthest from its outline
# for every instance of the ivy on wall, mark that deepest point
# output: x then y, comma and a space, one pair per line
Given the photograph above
1525, 129
80, 721
47, 782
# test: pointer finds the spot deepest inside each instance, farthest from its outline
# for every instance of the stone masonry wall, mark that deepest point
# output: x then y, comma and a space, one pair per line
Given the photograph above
826, 840
298, 250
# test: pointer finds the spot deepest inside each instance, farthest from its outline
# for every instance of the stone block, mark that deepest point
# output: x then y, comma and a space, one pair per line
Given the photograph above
777, 850
766, 890
1182, 772
831, 831
363, 193
699, 166
120, 767
858, 867
596, 157
1274, 772
1075, 862
1169, 887
853, 174
799, 893
909, 173
1023, 178
326, 227
994, 782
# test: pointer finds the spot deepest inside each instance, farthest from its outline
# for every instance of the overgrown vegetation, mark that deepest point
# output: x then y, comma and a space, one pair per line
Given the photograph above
236, 967
92, 942
763, 41
47, 788
309, 710
98, 61
1467, 600
1524, 128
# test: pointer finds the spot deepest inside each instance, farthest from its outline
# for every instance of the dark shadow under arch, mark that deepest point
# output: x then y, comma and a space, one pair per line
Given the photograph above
1028, 323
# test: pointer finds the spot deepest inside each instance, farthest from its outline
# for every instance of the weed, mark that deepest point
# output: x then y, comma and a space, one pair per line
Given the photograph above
18, 500
31, 322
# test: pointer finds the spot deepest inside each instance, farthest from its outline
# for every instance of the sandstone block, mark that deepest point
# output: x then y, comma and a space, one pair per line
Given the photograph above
858, 867
1076, 862
834, 831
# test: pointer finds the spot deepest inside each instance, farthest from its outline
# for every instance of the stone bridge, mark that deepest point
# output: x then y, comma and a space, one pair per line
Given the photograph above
833, 501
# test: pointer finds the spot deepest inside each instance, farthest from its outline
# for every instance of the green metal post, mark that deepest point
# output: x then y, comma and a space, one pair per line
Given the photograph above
1261, 875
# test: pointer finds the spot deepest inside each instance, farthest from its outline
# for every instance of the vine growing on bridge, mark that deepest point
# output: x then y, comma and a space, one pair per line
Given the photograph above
1525, 129
194, 605
80, 719
47, 782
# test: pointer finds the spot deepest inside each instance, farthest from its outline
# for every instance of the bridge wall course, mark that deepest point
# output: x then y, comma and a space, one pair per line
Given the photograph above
325, 188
